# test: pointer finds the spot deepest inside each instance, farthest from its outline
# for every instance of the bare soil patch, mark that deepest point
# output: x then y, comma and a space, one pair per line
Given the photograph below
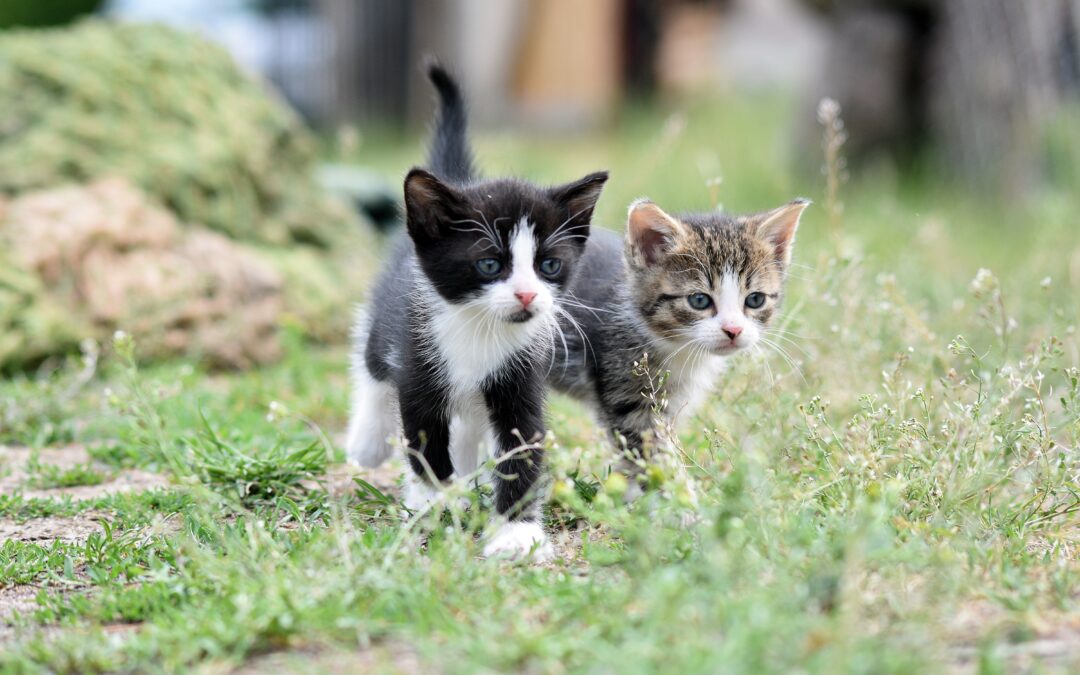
73, 529
14, 473
16, 599
339, 478
1055, 645
21, 599
390, 657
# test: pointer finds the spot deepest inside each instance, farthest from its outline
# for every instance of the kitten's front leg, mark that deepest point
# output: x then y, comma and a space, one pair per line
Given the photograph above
633, 432
632, 459
426, 423
516, 404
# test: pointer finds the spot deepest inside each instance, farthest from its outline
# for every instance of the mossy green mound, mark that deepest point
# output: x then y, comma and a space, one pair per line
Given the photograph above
168, 111
94, 108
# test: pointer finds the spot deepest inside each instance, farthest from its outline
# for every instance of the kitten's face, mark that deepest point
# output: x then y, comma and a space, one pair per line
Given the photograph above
709, 281
505, 248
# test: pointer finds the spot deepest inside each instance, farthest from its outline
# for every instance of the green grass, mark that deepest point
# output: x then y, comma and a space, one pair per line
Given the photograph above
45, 476
897, 494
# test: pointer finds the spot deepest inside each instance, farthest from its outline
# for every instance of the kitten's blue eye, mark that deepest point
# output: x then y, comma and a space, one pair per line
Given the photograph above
489, 267
699, 301
550, 266
755, 300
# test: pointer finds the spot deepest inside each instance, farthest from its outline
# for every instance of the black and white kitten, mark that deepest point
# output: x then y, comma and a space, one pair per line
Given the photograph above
459, 332
690, 291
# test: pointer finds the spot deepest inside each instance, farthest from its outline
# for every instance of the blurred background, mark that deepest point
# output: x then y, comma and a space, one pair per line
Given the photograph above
204, 173
987, 79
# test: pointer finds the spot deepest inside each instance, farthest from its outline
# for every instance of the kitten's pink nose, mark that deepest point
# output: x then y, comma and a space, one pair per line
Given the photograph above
731, 331
525, 297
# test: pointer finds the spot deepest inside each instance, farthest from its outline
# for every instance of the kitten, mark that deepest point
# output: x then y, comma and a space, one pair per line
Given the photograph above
460, 329
690, 291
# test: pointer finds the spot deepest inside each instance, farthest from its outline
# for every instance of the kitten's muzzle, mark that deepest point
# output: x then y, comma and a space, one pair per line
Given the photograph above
520, 316
727, 347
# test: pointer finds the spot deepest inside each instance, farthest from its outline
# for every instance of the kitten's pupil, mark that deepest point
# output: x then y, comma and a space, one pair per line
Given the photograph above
699, 300
755, 300
550, 266
489, 267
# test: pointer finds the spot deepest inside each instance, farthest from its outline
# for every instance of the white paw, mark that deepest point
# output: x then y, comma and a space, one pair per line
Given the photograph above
419, 494
520, 540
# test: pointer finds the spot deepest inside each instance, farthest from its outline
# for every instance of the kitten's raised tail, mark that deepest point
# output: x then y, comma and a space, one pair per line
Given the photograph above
449, 156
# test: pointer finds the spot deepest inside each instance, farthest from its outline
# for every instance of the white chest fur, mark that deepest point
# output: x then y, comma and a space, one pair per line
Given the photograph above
692, 378
473, 345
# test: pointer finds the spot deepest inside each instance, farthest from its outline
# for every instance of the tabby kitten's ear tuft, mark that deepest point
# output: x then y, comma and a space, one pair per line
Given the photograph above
430, 204
650, 232
579, 199
777, 227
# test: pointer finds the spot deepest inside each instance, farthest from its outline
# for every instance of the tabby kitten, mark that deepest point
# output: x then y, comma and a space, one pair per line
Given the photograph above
690, 291
460, 329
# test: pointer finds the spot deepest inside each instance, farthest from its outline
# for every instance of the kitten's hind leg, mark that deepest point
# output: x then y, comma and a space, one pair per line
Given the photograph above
373, 421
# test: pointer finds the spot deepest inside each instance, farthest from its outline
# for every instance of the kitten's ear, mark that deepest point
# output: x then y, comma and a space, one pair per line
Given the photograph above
650, 232
429, 204
777, 227
579, 199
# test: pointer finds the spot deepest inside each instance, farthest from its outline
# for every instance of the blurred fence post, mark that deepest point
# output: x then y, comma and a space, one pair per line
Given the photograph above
997, 85
371, 59
992, 87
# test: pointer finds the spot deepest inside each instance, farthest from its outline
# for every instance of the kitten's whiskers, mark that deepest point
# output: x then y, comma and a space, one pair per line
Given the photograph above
783, 354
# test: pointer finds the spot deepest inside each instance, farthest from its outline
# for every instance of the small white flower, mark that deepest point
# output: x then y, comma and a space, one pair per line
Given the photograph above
1045, 283
983, 282
120, 335
828, 110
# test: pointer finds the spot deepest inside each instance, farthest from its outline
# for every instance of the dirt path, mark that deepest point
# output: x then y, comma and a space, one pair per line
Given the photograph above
1054, 645
14, 473
71, 529
16, 599
339, 478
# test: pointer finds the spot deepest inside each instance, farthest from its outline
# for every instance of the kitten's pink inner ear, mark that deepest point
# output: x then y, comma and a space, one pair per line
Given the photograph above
779, 225
650, 230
